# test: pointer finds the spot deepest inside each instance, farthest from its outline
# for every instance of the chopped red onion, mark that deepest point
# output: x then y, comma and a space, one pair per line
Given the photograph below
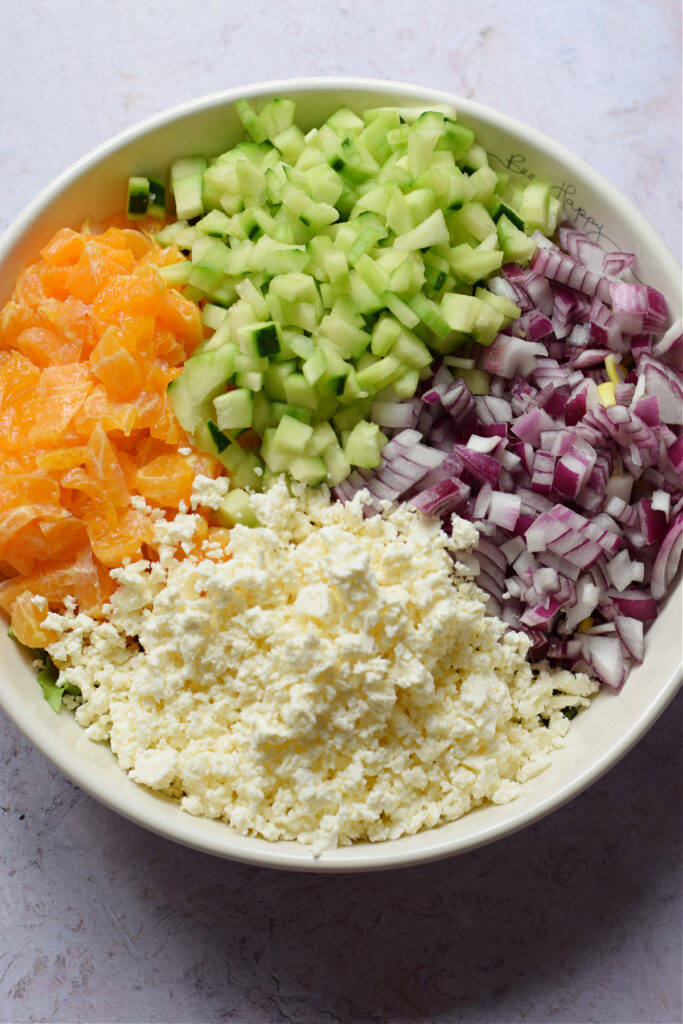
578, 502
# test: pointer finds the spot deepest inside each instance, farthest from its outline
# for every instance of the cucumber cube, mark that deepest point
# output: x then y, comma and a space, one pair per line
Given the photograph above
412, 352
235, 509
308, 469
138, 197
189, 196
291, 436
406, 385
472, 265
299, 392
379, 374
315, 366
261, 340
322, 437
364, 445
460, 311
234, 409
385, 333
335, 464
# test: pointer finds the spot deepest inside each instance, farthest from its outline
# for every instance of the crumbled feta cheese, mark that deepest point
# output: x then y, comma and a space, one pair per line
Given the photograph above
331, 679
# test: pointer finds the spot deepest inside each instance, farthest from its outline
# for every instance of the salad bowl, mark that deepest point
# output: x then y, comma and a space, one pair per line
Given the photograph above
95, 187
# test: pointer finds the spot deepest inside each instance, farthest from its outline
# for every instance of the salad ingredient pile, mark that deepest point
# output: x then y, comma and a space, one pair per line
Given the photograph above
347, 259
297, 489
332, 679
88, 344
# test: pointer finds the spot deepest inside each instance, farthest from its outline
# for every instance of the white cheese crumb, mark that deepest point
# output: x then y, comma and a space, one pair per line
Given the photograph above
332, 679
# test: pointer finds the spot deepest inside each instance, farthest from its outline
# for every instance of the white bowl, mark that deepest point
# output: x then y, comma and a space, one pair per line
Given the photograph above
95, 186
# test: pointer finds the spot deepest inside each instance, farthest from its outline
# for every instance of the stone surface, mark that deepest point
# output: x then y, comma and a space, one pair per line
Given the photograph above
576, 919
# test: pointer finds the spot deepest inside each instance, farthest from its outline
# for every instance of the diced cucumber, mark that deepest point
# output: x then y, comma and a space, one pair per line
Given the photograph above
472, 265
364, 445
384, 335
176, 274
517, 247
250, 120
138, 198
234, 409
308, 469
298, 391
379, 374
207, 373
336, 466
236, 509
291, 436
156, 206
326, 263
261, 340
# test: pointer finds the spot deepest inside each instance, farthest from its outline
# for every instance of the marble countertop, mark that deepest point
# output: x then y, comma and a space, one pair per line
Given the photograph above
576, 919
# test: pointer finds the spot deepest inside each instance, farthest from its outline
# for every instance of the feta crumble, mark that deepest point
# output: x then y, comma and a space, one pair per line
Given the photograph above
333, 678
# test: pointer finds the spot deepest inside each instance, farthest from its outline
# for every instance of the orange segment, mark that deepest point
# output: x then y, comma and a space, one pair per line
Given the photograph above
115, 367
166, 481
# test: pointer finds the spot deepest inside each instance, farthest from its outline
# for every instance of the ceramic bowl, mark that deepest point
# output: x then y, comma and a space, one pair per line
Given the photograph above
95, 187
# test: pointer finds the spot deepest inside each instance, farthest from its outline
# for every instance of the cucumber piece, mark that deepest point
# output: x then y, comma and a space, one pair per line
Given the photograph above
460, 311
216, 224
276, 374
535, 205
276, 117
291, 143
176, 274
308, 469
400, 309
507, 307
212, 315
457, 138
384, 335
234, 409
428, 312
516, 245
291, 436
236, 509
475, 219
138, 198
216, 437
298, 391
336, 466
472, 265
189, 196
297, 412
250, 120
207, 373
315, 366
364, 445
406, 385
379, 374
260, 340
412, 352
156, 206
322, 438
187, 411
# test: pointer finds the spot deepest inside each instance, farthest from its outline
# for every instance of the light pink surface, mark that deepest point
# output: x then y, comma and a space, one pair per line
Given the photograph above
577, 918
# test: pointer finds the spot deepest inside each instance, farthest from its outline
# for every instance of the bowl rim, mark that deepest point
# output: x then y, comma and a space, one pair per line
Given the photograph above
375, 856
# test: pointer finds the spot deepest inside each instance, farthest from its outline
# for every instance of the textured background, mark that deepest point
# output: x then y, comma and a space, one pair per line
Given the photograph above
578, 918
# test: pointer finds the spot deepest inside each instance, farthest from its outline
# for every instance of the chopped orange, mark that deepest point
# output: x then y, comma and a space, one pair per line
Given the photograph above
27, 619
64, 248
89, 341
166, 480
115, 366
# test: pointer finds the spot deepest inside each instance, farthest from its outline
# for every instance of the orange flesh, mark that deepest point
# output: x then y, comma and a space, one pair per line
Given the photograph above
89, 341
